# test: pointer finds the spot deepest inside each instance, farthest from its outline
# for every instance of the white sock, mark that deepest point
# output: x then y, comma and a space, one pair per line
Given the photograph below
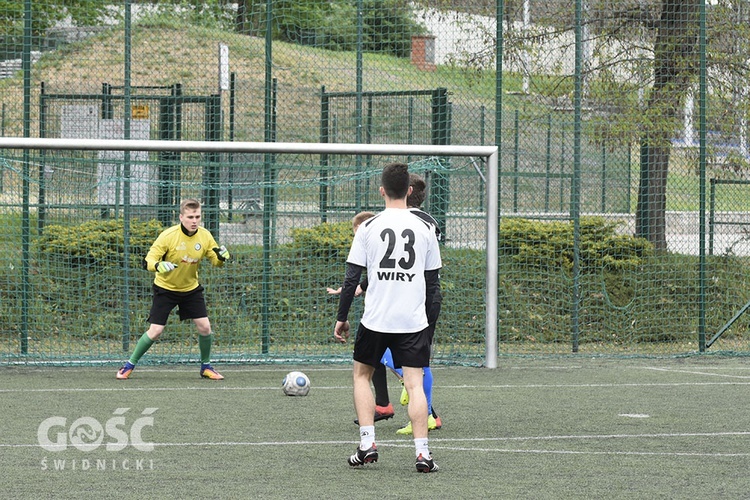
421, 447
366, 436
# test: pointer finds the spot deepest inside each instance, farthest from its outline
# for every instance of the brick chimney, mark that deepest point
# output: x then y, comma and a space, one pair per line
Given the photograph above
423, 52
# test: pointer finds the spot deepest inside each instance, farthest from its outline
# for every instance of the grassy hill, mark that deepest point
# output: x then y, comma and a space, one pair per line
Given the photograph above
164, 53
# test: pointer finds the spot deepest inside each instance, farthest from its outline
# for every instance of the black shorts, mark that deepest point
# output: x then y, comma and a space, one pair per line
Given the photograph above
192, 304
408, 349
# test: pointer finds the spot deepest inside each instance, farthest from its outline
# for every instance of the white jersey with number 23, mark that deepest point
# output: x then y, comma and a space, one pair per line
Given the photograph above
396, 247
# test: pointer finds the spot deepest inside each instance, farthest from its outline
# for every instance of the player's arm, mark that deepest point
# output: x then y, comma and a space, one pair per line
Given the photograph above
157, 254
351, 280
362, 287
218, 255
432, 288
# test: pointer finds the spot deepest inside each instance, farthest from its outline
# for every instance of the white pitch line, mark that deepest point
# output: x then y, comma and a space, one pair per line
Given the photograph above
670, 370
588, 386
146, 389
279, 369
441, 444
578, 452
216, 387
564, 437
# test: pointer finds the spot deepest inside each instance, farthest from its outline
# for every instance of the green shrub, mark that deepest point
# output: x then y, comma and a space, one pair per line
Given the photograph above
547, 245
98, 243
327, 240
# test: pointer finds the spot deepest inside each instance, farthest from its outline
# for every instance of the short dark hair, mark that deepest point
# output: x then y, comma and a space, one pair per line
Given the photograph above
418, 188
395, 180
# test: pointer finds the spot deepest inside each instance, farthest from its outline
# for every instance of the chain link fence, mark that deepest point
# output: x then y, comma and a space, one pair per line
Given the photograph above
622, 129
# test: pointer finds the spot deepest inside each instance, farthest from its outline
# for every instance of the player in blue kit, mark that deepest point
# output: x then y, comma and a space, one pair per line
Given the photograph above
402, 257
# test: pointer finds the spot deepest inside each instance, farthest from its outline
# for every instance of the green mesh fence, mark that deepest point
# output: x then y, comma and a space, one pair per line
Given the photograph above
623, 195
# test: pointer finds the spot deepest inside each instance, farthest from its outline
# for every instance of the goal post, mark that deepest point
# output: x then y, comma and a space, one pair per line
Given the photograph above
78, 155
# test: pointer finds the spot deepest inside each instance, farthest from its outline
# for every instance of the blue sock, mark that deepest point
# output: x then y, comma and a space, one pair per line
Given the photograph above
427, 384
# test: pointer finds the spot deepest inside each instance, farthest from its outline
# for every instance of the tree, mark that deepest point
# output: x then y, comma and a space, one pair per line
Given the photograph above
675, 69
648, 48
248, 17
387, 24
44, 15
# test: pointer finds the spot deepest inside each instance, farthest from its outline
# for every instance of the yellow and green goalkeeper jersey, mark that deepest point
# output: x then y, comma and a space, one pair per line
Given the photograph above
184, 251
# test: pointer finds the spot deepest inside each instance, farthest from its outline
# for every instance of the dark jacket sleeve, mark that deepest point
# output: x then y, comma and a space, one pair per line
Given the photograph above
353, 273
432, 288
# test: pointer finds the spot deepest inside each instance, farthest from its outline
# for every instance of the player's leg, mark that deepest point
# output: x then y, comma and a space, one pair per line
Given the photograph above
193, 306
205, 342
380, 384
383, 406
417, 401
161, 306
418, 416
368, 349
388, 362
364, 405
364, 401
412, 353
144, 344
433, 420
427, 386
146, 341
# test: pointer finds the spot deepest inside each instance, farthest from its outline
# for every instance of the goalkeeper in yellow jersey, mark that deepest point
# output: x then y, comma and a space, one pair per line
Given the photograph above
174, 257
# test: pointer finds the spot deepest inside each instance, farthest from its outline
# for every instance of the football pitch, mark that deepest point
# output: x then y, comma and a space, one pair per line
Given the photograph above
568, 427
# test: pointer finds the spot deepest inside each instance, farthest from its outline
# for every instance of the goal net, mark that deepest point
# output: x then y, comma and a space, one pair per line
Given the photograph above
80, 215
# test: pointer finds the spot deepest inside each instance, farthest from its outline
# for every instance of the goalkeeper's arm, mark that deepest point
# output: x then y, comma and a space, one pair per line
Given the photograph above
222, 255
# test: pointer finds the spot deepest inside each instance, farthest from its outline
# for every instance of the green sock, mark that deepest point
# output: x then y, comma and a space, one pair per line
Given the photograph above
204, 342
140, 348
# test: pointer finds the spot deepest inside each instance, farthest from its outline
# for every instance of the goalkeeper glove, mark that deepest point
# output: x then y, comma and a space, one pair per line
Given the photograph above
222, 253
165, 266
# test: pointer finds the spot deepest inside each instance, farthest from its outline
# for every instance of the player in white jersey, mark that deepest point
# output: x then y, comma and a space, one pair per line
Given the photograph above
383, 408
402, 257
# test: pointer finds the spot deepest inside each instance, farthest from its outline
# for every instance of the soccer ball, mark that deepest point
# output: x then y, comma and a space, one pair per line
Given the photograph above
296, 384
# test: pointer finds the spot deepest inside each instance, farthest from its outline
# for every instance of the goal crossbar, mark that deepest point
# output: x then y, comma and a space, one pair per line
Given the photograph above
244, 147
488, 153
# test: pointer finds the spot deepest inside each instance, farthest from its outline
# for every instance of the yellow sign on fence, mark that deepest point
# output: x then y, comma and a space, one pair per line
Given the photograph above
139, 112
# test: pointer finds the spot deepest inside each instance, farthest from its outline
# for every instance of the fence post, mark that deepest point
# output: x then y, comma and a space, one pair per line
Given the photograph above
166, 132
325, 111
26, 217
548, 162
42, 211
211, 170
230, 169
439, 190
516, 152
108, 112
604, 179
